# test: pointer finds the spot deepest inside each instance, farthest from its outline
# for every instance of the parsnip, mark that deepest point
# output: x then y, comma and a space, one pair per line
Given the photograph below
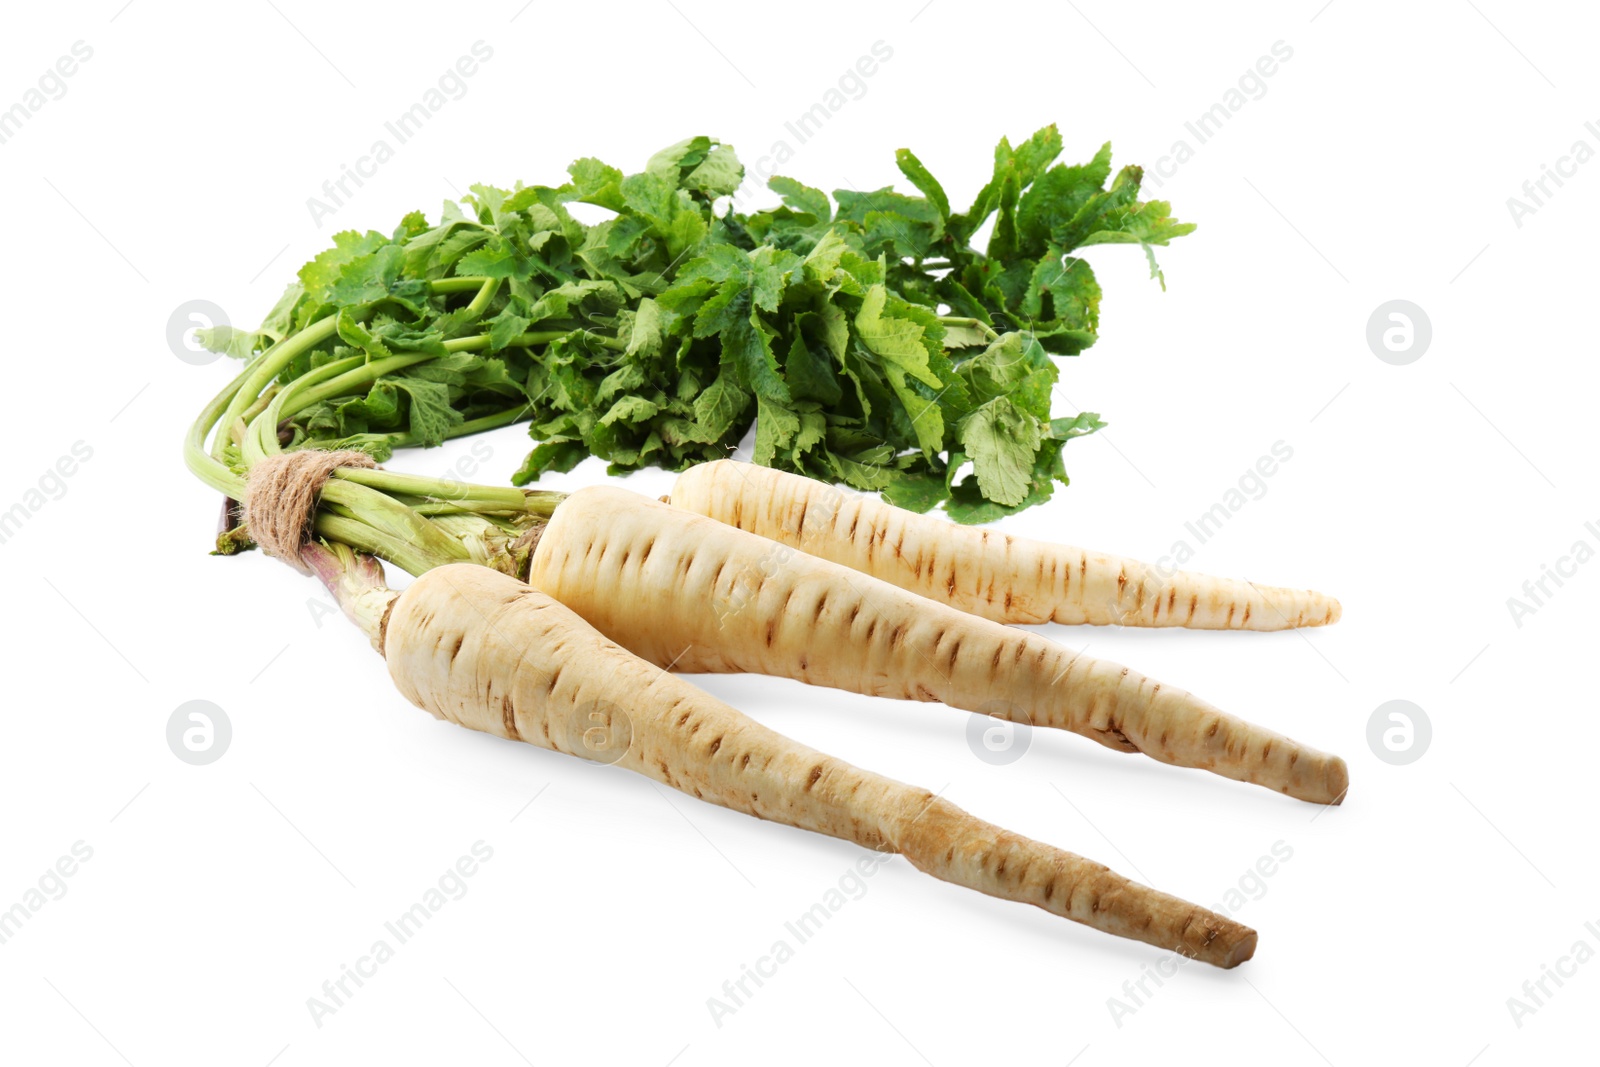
679, 588
1004, 578
478, 648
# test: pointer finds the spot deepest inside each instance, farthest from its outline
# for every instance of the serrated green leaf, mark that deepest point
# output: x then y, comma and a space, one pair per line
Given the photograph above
1003, 241
810, 374
629, 409
505, 328
558, 456
898, 340
719, 174
1064, 292
776, 427
856, 206
232, 341
913, 169
771, 270
917, 491
624, 380
729, 305
1000, 439
1058, 195
431, 416
1080, 425
497, 258
1022, 163
594, 182
833, 327
676, 159
926, 420
802, 198
723, 401
747, 343
367, 278
323, 271
824, 259
813, 429
860, 475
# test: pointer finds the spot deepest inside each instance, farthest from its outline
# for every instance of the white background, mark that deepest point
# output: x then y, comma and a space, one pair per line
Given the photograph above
1376, 166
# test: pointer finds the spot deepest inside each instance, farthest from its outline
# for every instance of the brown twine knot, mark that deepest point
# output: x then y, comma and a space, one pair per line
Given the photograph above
281, 497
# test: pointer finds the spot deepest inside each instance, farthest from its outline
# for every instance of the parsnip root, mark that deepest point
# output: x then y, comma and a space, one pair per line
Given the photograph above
680, 589
1007, 579
478, 648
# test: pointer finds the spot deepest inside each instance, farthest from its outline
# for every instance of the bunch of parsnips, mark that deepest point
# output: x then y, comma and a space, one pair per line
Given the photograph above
550, 618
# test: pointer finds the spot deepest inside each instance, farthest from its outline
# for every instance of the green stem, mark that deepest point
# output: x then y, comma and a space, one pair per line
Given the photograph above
477, 425
339, 378
387, 515
373, 503
485, 294
978, 324
261, 435
461, 494
361, 508
443, 286
260, 405
481, 509
346, 383
348, 374
540, 337
364, 538
247, 389
471, 426
201, 463
267, 367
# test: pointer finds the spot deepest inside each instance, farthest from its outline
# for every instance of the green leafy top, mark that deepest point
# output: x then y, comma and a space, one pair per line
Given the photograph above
864, 336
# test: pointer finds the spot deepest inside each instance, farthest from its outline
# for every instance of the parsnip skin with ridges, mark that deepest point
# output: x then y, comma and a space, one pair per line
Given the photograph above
1007, 579
478, 648
681, 589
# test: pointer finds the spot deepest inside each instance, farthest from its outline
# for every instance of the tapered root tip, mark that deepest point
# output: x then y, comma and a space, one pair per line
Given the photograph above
1315, 609
1324, 779
1338, 780
1230, 944
1240, 951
